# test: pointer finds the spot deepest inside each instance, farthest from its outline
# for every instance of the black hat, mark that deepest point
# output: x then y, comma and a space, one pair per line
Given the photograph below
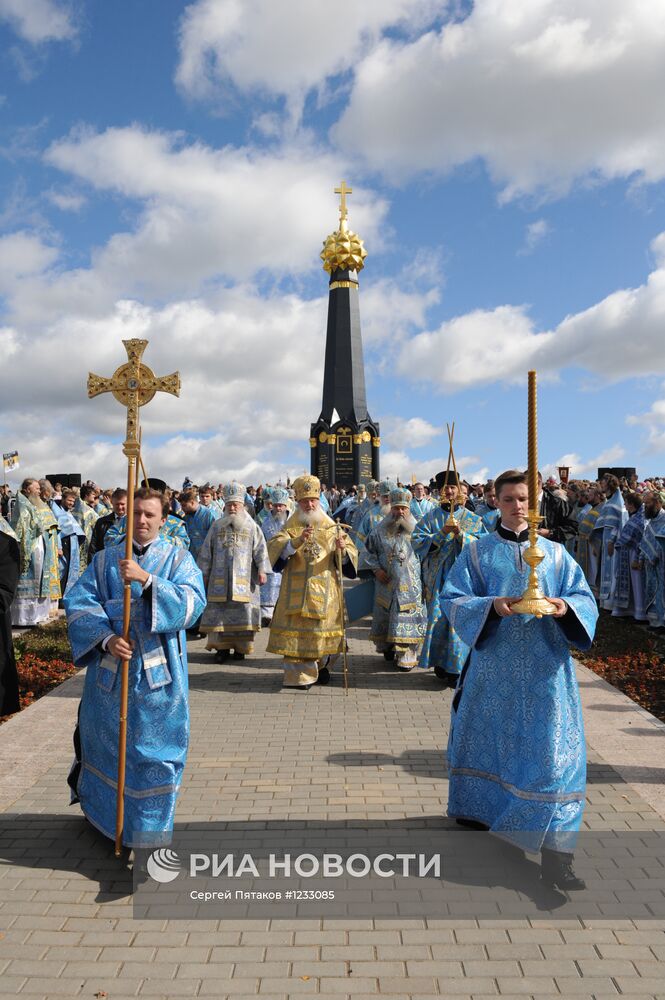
440, 479
155, 484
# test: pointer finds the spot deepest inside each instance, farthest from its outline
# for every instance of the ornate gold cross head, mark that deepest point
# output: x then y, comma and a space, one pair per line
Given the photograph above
343, 190
133, 385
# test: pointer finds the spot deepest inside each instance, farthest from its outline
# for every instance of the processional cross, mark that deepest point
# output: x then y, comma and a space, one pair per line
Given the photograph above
133, 385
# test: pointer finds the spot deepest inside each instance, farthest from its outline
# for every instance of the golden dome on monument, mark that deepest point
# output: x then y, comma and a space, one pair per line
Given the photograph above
343, 250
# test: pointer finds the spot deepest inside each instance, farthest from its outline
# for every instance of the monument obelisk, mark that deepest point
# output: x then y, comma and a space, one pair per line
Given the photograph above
344, 441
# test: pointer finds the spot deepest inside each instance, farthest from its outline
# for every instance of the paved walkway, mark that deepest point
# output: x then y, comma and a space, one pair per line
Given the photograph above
264, 759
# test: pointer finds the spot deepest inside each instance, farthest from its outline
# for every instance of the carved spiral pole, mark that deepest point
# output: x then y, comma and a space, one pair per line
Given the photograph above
533, 601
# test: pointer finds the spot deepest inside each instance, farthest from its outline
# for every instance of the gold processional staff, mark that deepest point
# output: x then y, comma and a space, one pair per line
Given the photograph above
133, 385
533, 601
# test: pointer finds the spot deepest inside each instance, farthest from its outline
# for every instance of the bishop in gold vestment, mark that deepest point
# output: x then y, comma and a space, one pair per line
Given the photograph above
307, 624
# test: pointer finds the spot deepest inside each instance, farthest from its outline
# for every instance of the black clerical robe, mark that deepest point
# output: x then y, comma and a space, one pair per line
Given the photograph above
9, 574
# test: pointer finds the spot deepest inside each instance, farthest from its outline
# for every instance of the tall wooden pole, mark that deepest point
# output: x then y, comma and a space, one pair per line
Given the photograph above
133, 385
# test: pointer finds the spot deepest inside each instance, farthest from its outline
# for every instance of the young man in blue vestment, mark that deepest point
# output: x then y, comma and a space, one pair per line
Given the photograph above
198, 520
516, 752
420, 503
487, 508
167, 597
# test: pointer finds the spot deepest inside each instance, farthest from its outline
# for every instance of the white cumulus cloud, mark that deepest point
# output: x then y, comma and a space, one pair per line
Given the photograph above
414, 432
616, 338
283, 49
205, 212
544, 92
38, 21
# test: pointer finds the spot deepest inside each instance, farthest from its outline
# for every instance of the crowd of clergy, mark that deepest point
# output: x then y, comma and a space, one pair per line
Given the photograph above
439, 566
615, 529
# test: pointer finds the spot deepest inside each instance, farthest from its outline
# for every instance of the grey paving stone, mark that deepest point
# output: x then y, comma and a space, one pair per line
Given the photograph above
163, 987
246, 765
56, 987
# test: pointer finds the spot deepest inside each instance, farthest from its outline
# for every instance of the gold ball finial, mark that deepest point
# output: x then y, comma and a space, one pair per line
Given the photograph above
343, 250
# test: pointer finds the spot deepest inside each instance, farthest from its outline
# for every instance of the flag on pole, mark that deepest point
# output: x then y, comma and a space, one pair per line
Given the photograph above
10, 460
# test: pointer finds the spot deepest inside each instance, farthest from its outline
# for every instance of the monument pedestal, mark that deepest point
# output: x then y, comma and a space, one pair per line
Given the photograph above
345, 454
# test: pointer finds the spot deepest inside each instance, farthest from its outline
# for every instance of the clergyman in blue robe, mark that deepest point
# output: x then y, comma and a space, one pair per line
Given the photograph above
437, 548
652, 556
610, 521
198, 520
375, 513
516, 752
420, 502
628, 591
168, 596
399, 616
71, 537
270, 526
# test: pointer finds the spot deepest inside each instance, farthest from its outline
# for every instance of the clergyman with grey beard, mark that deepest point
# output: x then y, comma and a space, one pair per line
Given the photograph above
399, 619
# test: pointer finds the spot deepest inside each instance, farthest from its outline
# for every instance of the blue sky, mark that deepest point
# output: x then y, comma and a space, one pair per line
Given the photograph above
167, 171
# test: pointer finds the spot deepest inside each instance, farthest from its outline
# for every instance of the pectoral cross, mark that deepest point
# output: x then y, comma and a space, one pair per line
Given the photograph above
133, 385
343, 190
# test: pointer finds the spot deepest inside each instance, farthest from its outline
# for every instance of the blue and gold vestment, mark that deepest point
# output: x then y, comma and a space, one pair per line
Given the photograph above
437, 551
652, 552
197, 525
399, 615
158, 711
516, 752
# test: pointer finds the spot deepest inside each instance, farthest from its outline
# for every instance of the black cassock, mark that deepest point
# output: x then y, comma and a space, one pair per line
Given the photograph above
9, 574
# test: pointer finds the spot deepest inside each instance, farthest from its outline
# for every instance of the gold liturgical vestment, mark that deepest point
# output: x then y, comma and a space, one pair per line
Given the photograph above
307, 623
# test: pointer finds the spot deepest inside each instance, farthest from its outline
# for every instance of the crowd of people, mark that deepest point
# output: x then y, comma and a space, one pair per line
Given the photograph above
442, 569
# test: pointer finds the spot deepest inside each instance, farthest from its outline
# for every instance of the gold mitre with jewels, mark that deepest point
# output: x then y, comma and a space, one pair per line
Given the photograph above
307, 488
343, 250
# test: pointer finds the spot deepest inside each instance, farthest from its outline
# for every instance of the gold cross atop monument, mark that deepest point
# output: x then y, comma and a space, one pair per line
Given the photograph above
133, 385
343, 190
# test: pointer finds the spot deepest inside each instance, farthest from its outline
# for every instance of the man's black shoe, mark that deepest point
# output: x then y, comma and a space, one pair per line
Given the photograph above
557, 872
452, 680
324, 676
389, 655
222, 655
237, 655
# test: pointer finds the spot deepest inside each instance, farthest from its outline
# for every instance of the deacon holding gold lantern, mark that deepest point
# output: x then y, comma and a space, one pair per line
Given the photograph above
308, 624
516, 752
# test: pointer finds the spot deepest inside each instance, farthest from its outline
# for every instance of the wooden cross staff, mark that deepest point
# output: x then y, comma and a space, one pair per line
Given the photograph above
133, 385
